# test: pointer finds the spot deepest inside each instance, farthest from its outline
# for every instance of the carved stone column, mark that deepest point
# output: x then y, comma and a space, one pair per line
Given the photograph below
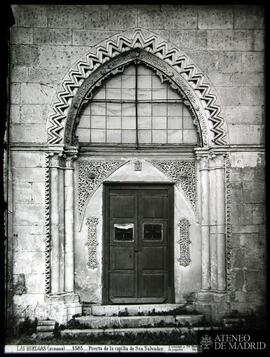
69, 225
55, 220
220, 233
204, 189
213, 221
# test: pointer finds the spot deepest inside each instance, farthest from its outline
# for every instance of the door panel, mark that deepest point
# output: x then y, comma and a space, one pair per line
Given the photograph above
138, 243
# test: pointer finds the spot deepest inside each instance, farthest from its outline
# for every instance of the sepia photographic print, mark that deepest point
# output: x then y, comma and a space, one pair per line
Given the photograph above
134, 177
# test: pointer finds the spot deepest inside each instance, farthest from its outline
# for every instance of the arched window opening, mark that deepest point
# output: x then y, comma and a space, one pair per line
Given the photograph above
134, 108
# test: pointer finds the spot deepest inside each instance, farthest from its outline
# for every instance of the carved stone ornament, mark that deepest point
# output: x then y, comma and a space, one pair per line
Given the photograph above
137, 165
91, 174
47, 226
183, 173
92, 242
228, 220
184, 242
196, 83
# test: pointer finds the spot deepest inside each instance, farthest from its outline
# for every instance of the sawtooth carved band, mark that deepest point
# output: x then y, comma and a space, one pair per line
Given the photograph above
196, 86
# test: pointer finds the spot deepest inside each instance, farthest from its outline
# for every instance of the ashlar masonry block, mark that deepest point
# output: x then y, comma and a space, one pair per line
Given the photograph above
190, 39
32, 133
29, 263
248, 17
21, 35
211, 17
27, 159
91, 37
27, 214
52, 36
60, 56
229, 40
36, 93
24, 55
30, 15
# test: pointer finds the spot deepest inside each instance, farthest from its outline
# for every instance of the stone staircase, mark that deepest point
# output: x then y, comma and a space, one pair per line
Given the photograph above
98, 320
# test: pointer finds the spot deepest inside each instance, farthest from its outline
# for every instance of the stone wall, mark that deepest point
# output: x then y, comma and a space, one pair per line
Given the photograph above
226, 42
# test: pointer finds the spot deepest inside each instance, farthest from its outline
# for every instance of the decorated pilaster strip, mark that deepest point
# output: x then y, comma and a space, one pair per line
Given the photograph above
47, 227
184, 242
228, 220
92, 242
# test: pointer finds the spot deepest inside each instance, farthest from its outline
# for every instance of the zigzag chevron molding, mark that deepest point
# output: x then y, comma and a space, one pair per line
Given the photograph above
120, 44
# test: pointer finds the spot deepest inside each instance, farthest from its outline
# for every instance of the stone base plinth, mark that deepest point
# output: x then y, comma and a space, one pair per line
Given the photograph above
63, 306
214, 305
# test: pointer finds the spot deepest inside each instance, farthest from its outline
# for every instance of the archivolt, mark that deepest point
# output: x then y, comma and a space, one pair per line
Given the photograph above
183, 74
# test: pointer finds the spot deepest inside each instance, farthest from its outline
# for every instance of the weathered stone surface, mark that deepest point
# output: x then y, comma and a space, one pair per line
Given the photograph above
208, 60
243, 134
27, 159
33, 113
237, 259
237, 279
259, 38
52, 36
21, 35
15, 113
22, 192
18, 74
229, 40
254, 281
35, 282
19, 287
33, 133
254, 193
89, 37
51, 76
229, 62
230, 95
36, 230
248, 17
184, 19
29, 263
60, 56
189, 39
36, 93
65, 16
28, 174
220, 17
38, 192
119, 19
253, 62
26, 242
24, 55
27, 214
30, 15
15, 93
258, 213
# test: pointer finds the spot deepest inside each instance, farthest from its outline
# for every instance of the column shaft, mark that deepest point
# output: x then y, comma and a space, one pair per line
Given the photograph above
54, 231
205, 229
220, 228
69, 229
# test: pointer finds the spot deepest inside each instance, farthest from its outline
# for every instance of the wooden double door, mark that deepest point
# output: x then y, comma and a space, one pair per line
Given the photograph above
138, 242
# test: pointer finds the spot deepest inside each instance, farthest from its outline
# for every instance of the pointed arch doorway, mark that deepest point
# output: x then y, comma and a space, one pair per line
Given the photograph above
69, 151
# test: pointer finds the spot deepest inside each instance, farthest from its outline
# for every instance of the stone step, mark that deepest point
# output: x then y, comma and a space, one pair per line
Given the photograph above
134, 331
131, 310
96, 322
